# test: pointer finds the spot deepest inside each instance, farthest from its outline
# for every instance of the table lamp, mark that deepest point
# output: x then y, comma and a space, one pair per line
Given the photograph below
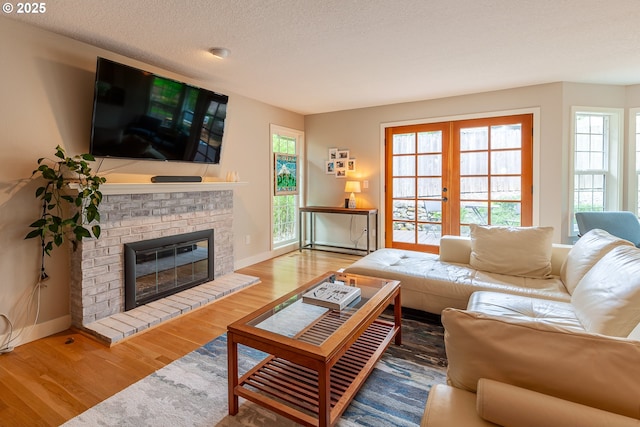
352, 187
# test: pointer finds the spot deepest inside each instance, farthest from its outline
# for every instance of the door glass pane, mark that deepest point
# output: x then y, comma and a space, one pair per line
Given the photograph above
430, 142
474, 188
404, 232
430, 210
429, 187
404, 187
506, 136
429, 165
404, 165
404, 209
429, 234
474, 163
474, 213
474, 139
505, 213
506, 162
404, 143
506, 188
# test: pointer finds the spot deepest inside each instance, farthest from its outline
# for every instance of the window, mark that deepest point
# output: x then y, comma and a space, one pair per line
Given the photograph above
597, 167
635, 183
284, 210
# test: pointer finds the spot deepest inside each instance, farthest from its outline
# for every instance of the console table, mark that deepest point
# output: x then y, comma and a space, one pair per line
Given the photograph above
370, 213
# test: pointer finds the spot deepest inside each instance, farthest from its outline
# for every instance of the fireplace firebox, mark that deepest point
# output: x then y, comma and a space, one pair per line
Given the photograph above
157, 268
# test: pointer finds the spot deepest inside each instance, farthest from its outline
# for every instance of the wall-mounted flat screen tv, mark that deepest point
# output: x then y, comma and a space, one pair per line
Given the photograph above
140, 115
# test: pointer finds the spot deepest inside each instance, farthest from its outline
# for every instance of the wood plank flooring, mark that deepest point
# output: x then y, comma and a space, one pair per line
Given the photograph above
49, 381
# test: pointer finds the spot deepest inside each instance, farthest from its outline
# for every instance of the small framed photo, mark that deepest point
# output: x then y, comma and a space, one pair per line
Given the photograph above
343, 154
351, 165
330, 167
333, 153
341, 172
341, 164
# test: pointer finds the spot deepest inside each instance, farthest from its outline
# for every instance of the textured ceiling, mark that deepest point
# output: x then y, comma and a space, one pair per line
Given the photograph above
313, 56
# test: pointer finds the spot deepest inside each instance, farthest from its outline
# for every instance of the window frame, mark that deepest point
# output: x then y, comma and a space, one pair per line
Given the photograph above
633, 166
298, 135
614, 174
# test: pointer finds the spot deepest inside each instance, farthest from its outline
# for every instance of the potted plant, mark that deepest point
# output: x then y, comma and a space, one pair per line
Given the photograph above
67, 214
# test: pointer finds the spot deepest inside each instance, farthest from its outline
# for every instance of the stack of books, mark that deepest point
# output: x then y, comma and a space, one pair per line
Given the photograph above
331, 295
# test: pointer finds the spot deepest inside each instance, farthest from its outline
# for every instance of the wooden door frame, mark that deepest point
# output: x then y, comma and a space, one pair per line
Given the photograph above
531, 216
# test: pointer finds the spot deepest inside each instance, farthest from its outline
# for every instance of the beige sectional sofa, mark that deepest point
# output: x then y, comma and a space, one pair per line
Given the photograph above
558, 349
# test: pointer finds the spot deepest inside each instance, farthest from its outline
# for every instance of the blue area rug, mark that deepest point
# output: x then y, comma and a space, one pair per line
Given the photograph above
192, 391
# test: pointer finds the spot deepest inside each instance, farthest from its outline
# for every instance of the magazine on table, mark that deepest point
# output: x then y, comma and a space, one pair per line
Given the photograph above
332, 295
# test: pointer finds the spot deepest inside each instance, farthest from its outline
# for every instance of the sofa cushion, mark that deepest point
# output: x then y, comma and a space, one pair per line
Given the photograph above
543, 357
607, 299
517, 251
511, 406
525, 309
585, 254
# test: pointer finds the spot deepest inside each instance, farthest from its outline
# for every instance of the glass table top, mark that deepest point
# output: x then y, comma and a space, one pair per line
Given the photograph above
297, 319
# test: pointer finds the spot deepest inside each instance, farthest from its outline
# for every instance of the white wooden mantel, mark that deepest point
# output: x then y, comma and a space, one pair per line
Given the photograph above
164, 187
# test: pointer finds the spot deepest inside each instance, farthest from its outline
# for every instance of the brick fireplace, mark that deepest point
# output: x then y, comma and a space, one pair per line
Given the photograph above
97, 266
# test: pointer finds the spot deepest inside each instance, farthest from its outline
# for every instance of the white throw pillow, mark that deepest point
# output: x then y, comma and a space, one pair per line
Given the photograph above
585, 254
607, 299
515, 251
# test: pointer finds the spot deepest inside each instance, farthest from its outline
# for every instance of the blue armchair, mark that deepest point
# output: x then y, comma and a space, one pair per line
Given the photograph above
619, 223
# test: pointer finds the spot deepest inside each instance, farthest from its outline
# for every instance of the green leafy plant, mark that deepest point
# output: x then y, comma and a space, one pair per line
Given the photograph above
67, 213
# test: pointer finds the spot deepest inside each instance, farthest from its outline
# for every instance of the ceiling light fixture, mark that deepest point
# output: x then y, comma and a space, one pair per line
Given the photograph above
220, 52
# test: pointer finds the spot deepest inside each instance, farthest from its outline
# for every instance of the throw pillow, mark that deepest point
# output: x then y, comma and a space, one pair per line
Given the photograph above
586, 252
607, 299
515, 251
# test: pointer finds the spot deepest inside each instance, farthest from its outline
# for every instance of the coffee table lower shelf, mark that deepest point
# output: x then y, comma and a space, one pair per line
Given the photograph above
293, 390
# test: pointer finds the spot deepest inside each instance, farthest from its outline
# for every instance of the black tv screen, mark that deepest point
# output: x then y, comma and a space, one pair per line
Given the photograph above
140, 115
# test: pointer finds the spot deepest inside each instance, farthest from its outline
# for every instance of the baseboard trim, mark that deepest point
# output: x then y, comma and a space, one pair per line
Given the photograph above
246, 262
41, 330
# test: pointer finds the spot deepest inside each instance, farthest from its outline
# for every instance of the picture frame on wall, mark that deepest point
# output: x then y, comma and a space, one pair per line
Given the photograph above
333, 153
351, 165
285, 174
341, 172
330, 167
343, 154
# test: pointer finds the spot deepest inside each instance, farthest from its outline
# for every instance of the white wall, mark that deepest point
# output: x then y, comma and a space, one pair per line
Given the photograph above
47, 93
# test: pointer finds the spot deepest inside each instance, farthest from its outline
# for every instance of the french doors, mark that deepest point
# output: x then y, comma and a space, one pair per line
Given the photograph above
442, 177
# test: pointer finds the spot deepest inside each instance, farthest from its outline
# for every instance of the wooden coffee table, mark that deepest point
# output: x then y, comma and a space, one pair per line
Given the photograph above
317, 358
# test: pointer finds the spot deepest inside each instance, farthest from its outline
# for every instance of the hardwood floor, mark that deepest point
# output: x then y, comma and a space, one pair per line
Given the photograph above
49, 381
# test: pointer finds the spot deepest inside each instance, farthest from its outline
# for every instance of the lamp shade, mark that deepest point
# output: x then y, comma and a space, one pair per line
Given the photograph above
352, 187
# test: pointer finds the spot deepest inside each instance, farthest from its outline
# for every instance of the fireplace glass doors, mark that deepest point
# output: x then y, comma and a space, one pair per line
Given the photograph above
157, 268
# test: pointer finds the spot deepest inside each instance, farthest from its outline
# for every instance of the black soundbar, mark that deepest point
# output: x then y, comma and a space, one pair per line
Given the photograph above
170, 178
